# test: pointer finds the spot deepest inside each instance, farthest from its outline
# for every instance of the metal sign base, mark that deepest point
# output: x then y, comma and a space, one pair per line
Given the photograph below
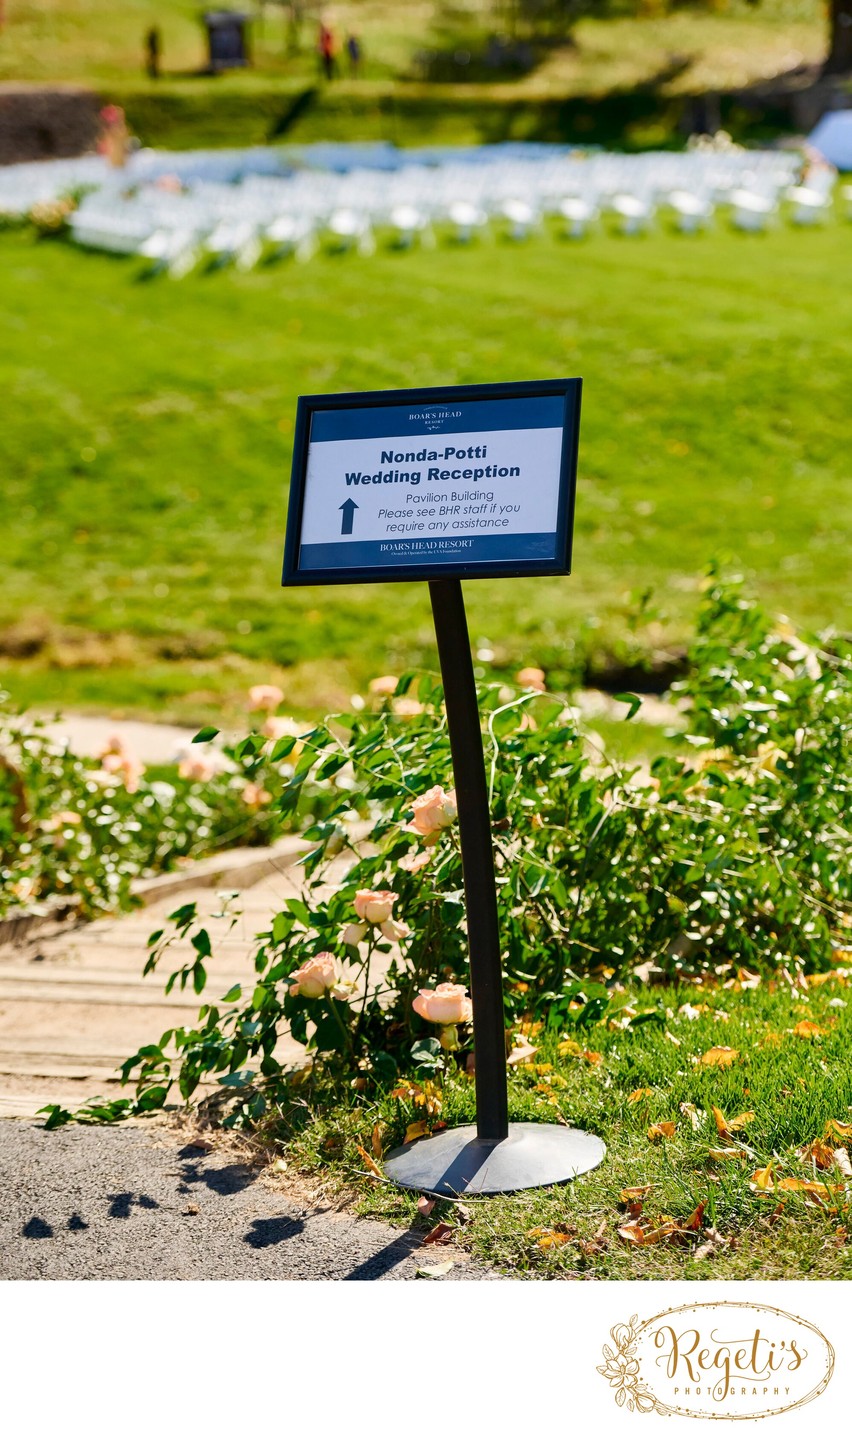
457, 1161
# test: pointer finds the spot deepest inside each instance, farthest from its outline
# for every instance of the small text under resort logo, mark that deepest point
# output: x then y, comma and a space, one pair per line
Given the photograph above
717, 1360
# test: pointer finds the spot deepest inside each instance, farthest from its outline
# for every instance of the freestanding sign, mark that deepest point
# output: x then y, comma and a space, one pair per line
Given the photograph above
469, 482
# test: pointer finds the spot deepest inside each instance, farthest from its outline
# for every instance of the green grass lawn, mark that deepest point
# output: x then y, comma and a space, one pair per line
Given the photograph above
785, 1085
148, 428
98, 43
619, 78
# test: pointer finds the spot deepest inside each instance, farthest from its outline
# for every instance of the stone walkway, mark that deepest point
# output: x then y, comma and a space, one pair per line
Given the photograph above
74, 1005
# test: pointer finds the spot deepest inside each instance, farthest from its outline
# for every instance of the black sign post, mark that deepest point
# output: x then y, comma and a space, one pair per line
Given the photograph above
469, 482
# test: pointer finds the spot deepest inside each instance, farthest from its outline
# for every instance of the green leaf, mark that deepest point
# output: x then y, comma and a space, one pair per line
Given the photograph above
56, 1115
632, 700
205, 735
427, 1054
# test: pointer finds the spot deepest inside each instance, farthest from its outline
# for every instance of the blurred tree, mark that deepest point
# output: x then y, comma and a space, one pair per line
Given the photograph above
839, 60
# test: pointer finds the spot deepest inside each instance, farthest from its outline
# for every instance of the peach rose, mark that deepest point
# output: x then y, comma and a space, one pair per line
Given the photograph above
281, 726
199, 767
433, 811
315, 976
531, 678
265, 696
352, 934
254, 796
395, 929
61, 820
385, 684
447, 1004
375, 905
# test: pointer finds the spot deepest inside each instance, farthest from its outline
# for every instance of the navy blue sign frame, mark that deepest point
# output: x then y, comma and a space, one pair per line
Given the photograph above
327, 414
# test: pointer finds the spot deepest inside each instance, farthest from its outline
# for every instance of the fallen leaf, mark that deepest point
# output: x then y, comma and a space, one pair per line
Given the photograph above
416, 1130
727, 1126
441, 1233
371, 1164
713, 1245
591, 1056
696, 1218
439, 1270
841, 1158
834, 1128
190, 1210
762, 1179
695, 1115
637, 1232
522, 1053
661, 1130
569, 1048
550, 1237
376, 1140
807, 1029
817, 1153
720, 1057
627, 1194
802, 1185
425, 1206
722, 1155
279, 1166
638, 1094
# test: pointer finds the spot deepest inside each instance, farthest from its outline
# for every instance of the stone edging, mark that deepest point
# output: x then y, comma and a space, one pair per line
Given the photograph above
240, 868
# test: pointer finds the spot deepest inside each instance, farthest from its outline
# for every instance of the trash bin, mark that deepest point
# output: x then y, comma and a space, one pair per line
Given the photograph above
227, 39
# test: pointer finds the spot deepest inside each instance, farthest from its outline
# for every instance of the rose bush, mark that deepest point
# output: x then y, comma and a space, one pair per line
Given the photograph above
730, 858
82, 829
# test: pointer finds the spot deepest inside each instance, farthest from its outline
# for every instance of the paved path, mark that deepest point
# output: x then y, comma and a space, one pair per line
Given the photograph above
165, 743
134, 1202
75, 1005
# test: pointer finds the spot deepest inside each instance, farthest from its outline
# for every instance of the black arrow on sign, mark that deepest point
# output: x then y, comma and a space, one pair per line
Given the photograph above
349, 507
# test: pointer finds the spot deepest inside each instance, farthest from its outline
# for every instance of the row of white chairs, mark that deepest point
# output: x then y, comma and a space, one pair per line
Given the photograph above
179, 234
239, 206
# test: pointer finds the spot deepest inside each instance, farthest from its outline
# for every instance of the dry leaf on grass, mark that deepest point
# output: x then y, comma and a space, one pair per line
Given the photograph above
376, 1140
425, 1206
719, 1057
835, 1129
696, 1218
552, 1237
713, 1244
817, 1153
841, 1158
727, 1126
723, 1155
638, 1094
659, 1131
416, 1130
643, 1233
695, 1115
598, 1243
371, 1164
762, 1180
807, 1029
627, 1195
